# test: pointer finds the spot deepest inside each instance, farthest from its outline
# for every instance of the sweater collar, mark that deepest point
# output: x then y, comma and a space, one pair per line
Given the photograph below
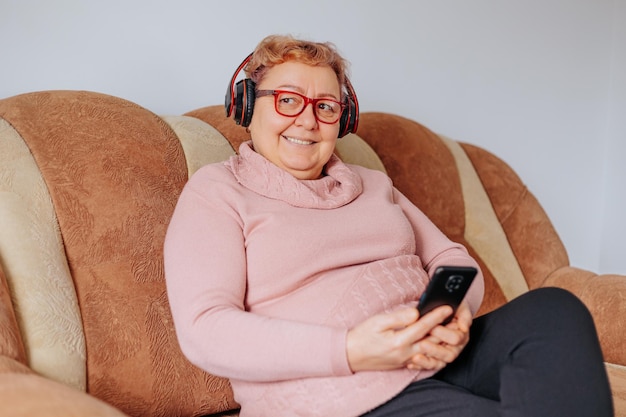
339, 187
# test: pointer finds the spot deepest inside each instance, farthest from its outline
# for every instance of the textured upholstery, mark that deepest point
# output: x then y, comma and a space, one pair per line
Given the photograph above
113, 172
87, 185
45, 299
12, 353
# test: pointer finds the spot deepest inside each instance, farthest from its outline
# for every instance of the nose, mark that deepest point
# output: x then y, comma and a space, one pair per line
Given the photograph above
307, 118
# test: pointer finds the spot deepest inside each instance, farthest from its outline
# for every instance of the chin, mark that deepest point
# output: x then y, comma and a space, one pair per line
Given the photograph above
304, 174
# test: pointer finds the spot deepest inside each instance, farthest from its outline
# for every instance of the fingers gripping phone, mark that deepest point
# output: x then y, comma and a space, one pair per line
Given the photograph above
448, 286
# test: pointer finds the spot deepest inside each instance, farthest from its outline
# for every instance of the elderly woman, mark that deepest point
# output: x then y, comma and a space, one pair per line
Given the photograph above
296, 276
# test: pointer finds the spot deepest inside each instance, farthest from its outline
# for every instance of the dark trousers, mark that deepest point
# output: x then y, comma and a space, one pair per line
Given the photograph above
537, 356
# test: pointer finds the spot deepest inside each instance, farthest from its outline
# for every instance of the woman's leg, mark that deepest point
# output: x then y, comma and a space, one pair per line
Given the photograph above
434, 398
538, 355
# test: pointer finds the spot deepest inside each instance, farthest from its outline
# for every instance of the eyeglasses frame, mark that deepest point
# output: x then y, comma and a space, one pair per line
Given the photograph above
307, 100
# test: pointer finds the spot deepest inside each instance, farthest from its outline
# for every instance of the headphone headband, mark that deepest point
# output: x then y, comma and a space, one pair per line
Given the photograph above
231, 91
240, 97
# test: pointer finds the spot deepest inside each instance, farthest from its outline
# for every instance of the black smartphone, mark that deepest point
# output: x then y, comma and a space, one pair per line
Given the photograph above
448, 286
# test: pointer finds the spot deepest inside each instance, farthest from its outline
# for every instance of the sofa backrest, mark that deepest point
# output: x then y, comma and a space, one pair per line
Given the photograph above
88, 183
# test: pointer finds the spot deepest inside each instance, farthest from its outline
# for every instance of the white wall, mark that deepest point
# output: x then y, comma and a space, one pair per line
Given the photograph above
613, 252
538, 82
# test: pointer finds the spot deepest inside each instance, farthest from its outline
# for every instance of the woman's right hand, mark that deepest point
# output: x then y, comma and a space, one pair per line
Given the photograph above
390, 340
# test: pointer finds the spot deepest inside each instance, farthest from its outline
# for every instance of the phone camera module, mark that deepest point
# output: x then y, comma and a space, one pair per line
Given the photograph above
454, 283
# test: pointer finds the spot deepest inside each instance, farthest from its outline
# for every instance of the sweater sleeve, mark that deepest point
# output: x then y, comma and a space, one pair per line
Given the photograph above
205, 268
435, 249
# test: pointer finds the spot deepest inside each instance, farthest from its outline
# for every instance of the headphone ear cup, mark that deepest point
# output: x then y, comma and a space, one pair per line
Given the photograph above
228, 102
349, 118
244, 102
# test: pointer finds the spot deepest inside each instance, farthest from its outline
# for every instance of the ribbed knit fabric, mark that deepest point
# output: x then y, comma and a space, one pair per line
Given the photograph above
266, 274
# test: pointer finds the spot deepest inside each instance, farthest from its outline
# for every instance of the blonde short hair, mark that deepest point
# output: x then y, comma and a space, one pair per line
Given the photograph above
277, 49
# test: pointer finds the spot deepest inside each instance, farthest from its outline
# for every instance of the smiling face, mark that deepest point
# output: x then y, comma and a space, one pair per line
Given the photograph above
300, 145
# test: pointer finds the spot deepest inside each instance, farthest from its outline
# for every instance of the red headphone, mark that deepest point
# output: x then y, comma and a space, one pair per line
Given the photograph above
240, 98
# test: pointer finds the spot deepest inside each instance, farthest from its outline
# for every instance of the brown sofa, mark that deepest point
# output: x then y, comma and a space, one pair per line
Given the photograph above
87, 185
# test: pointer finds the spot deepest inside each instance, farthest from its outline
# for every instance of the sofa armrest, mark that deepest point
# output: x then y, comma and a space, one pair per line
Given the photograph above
10, 365
28, 394
605, 296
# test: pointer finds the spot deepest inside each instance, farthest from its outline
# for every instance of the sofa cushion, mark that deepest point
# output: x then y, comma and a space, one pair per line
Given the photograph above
202, 143
522, 217
36, 269
11, 346
32, 395
114, 172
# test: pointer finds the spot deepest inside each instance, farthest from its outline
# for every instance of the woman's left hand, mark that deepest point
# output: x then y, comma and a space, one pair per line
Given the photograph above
445, 343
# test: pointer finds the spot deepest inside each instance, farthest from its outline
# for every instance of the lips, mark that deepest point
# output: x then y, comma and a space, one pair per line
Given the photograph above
298, 141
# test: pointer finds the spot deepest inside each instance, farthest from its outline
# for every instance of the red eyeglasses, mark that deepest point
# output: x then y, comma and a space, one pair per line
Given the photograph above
291, 104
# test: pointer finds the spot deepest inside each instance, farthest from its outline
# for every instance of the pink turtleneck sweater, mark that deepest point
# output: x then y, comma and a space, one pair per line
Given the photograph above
266, 274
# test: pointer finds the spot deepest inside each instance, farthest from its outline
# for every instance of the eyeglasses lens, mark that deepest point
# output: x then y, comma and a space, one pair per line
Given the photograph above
292, 104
